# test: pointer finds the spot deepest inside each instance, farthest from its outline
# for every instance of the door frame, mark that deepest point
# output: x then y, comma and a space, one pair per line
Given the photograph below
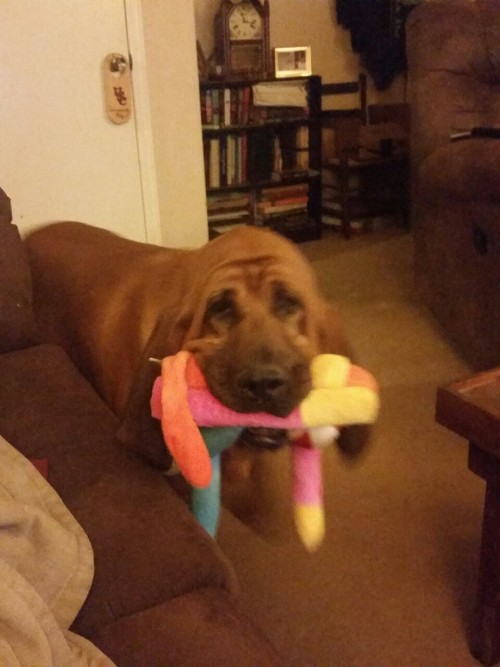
142, 120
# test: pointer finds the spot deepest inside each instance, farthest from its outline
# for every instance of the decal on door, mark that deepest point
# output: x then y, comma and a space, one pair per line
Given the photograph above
117, 88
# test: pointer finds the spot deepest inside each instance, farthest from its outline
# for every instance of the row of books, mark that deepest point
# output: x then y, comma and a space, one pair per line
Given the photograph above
225, 160
229, 207
287, 202
276, 207
240, 158
233, 106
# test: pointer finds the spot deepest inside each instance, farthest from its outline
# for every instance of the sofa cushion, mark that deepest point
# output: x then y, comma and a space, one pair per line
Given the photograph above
201, 628
148, 548
17, 323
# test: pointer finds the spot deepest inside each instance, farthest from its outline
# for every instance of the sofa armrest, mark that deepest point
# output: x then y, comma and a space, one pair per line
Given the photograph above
202, 628
17, 321
467, 170
5, 207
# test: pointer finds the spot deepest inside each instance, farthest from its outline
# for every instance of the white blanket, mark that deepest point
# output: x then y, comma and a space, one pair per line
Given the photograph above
46, 569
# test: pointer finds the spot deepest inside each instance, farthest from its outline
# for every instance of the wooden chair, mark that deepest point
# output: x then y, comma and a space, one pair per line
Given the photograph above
359, 183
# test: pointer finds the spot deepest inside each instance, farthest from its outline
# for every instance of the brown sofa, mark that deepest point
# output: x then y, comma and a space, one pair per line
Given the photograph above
163, 592
453, 49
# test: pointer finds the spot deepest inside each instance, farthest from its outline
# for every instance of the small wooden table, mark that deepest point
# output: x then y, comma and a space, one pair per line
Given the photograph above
471, 408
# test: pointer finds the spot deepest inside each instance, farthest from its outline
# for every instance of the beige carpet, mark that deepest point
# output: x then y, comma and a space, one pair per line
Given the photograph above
393, 585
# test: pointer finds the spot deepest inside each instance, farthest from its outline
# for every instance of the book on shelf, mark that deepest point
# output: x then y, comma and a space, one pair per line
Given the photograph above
223, 161
285, 191
286, 201
206, 159
216, 115
246, 101
228, 201
214, 163
226, 117
219, 205
228, 215
280, 209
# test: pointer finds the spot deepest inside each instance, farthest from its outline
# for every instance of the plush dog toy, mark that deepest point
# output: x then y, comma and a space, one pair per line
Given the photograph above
197, 428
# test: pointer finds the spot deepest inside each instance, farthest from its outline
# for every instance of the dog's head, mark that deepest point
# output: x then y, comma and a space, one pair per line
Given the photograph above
254, 319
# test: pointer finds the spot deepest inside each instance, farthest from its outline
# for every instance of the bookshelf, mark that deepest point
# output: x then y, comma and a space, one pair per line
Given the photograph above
262, 154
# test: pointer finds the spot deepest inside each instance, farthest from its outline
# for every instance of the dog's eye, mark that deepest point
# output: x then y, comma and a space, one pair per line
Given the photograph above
222, 308
285, 303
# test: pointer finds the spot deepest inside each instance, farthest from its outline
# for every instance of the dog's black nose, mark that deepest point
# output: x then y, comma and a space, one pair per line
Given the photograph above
264, 383
271, 387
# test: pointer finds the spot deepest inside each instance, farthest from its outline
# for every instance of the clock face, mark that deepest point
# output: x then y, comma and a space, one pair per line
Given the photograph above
245, 22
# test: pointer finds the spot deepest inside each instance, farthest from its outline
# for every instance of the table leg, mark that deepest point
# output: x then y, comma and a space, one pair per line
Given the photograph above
485, 639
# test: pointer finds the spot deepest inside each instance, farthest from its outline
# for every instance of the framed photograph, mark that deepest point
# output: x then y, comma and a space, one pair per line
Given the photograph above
292, 61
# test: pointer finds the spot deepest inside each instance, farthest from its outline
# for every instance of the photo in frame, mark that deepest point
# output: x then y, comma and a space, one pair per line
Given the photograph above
292, 61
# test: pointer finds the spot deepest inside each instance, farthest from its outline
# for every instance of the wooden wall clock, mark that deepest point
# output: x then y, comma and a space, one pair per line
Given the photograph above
242, 39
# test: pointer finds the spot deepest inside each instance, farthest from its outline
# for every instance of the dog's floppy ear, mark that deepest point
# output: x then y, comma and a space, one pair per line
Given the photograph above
139, 431
332, 339
353, 440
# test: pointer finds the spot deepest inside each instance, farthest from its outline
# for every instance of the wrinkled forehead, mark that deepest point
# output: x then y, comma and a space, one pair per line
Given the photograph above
255, 259
259, 277
250, 269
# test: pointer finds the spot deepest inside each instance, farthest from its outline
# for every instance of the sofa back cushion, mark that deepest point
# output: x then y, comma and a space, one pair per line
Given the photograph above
453, 52
17, 322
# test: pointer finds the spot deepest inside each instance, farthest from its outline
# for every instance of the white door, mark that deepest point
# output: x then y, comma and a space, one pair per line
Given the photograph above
60, 156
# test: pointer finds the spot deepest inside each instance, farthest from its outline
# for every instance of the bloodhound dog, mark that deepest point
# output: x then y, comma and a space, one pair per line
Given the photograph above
246, 304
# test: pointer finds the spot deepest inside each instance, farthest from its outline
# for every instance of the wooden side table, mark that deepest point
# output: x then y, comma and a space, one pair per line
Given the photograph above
471, 408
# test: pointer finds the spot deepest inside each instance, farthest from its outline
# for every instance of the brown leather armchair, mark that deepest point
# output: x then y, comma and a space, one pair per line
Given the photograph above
453, 50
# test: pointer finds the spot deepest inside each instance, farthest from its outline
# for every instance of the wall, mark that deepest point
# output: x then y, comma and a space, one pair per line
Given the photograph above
306, 23
170, 46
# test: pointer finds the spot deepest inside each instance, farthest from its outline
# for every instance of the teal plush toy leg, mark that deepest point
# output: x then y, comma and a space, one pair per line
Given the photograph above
205, 502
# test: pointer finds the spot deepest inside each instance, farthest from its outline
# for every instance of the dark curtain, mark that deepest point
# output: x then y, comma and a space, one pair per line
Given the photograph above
378, 34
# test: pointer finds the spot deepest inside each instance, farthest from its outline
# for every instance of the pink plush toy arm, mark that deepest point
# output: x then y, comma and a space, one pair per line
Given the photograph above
307, 492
